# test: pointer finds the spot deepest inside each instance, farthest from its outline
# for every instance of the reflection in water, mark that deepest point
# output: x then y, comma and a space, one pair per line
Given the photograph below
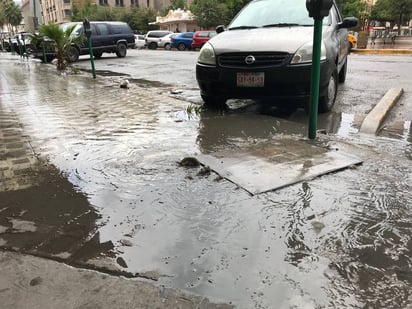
296, 247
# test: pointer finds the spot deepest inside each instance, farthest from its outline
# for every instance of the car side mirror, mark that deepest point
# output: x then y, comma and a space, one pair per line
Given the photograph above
220, 29
348, 22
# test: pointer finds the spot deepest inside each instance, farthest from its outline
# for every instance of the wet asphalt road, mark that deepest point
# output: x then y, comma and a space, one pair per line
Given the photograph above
341, 240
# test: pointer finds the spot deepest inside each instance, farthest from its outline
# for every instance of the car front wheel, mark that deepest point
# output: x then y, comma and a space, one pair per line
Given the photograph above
121, 50
181, 47
327, 101
343, 70
72, 54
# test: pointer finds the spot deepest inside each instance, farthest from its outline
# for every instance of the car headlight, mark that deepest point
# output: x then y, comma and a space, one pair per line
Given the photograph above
207, 55
304, 54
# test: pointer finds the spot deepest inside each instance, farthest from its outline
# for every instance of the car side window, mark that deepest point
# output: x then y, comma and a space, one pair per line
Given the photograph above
93, 28
103, 29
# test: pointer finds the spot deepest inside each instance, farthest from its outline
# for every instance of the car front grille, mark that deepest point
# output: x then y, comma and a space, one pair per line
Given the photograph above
261, 59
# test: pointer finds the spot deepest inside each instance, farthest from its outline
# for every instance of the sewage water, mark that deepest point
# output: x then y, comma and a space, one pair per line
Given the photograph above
341, 240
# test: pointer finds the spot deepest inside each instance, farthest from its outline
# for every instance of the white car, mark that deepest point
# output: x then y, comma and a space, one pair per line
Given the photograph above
166, 41
139, 41
154, 38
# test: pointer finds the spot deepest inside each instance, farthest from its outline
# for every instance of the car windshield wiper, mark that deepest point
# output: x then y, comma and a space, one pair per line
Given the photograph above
281, 25
242, 27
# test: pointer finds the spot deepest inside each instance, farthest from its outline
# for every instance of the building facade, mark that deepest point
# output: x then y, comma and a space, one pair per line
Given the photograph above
59, 11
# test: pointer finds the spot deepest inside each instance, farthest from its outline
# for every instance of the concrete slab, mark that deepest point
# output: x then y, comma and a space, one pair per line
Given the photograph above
377, 115
272, 165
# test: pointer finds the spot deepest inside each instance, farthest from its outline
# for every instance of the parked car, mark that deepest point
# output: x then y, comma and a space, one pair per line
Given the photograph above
183, 41
153, 39
17, 42
107, 37
139, 41
352, 41
166, 41
266, 53
201, 37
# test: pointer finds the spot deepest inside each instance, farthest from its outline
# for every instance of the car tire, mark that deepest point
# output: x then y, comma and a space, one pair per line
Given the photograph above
121, 50
343, 70
152, 45
326, 102
72, 54
181, 47
168, 46
214, 102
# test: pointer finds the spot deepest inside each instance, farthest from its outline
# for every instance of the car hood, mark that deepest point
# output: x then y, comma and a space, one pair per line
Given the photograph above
283, 39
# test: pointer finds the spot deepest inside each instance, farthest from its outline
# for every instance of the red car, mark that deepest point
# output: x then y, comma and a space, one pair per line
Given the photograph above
201, 37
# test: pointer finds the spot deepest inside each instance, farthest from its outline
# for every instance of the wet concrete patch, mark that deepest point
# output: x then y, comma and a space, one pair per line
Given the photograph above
50, 219
276, 164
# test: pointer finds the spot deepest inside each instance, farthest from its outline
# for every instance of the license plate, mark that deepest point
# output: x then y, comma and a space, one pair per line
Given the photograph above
251, 79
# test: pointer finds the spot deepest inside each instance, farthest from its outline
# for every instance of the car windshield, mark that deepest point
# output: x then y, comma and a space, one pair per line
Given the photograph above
77, 30
273, 13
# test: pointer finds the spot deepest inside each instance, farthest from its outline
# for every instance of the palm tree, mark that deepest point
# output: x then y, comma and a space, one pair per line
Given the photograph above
62, 40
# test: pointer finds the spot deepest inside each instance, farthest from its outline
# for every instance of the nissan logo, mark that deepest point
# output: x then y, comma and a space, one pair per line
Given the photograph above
250, 59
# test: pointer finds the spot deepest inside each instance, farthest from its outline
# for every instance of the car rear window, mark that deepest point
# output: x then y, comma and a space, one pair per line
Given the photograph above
203, 34
157, 34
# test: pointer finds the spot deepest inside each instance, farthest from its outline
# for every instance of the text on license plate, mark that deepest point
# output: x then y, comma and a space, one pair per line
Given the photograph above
250, 79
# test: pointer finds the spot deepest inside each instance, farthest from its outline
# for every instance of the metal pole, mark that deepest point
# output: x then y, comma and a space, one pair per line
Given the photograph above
315, 81
89, 40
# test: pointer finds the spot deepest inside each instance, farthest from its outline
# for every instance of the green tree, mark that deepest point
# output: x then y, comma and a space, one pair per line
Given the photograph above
62, 41
174, 5
11, 14
355, 8
395, 11
210, 13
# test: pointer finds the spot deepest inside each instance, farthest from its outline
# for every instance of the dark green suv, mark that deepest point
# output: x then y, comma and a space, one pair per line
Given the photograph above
107, 37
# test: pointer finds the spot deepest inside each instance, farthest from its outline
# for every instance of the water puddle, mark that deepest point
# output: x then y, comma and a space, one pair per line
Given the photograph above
339, 240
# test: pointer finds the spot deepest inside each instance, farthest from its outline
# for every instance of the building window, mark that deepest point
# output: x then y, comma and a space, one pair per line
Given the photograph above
66, 1
119, 3
134, 3
103, 2
68, 12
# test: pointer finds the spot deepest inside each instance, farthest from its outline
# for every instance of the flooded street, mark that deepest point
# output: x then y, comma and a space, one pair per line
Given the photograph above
340, 240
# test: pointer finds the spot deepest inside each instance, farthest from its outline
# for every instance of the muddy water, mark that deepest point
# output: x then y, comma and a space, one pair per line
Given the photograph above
341, 240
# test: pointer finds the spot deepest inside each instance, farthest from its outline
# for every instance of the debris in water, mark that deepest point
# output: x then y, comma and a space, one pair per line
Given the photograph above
124, 84
189, 162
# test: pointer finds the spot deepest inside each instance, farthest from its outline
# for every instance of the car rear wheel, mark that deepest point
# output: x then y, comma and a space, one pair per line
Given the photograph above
328, 100
167, 46
214, 102
72, 54
181, 46
121, 50
152, 45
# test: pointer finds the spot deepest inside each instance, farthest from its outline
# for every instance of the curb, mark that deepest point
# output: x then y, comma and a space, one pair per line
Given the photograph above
377, 115
383, 51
